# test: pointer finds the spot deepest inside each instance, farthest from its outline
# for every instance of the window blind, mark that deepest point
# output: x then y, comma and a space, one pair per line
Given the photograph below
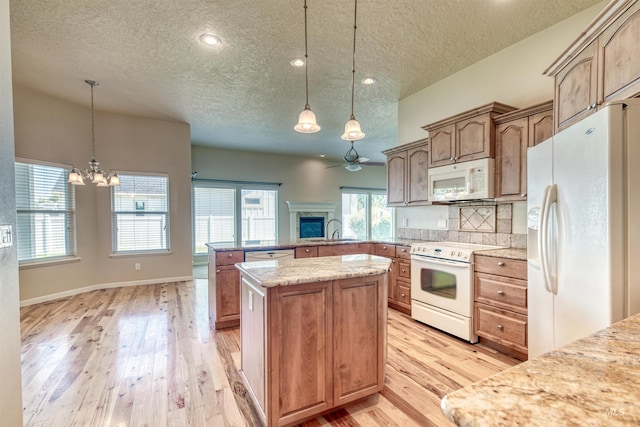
45, 206
140, 213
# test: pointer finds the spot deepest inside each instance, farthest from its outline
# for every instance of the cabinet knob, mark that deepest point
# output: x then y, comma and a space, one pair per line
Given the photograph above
403, 250
500, 292
500, 327
523, 195
230, 255
588, 107
393, 261
452, 159
500, 264
384, 248
402, 295
403, 270
307, 250
218, 271
594, 105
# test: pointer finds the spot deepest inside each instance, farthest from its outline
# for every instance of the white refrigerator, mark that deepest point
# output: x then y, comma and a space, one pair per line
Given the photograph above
583, 235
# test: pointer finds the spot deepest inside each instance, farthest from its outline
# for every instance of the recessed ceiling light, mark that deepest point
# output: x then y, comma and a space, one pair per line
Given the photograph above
297, 62
368, 80
210, 39
322, 155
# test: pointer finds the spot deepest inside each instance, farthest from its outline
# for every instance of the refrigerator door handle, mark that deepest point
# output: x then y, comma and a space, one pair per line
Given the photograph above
542, 240
549, 198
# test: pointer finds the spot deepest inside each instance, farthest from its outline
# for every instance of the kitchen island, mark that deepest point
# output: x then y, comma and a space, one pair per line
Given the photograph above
313, 333
594, 381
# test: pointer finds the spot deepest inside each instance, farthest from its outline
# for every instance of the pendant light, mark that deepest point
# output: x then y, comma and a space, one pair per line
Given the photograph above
93, 173
307, 119
352, 130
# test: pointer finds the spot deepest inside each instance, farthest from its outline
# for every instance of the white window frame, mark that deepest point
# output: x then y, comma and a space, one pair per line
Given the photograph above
237, 186
369, 192
166, 213
71, 234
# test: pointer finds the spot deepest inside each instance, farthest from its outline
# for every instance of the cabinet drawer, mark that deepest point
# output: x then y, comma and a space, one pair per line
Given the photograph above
403, 252
403, 293
502, 292
229, 257
382, 249
503, 327
306, 251
404, 269
500, 266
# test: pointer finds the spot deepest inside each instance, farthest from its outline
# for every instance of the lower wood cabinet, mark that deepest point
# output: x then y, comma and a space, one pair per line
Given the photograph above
399, 292
224, 288
500, 309
312, 347
344, 249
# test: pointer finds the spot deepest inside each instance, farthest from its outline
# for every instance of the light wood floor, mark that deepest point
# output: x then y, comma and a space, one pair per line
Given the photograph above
145, 356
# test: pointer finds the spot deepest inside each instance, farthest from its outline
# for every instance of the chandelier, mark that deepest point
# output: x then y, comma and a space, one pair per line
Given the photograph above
307, 119
352, 130
94, 174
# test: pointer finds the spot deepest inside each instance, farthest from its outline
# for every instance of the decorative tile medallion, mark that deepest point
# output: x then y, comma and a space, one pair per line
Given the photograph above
478, 219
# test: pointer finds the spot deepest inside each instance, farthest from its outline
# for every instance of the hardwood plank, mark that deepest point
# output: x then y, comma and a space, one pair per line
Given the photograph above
145, 356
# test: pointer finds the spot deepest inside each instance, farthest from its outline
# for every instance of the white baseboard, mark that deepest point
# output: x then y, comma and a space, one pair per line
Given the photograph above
51, 297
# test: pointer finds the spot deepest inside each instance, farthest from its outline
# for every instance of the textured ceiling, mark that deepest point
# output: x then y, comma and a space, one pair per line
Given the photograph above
245, 94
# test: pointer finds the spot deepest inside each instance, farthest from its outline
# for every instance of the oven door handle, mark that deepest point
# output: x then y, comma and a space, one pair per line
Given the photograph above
457, 264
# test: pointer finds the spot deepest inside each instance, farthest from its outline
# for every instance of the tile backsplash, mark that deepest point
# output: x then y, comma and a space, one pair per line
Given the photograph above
482, 224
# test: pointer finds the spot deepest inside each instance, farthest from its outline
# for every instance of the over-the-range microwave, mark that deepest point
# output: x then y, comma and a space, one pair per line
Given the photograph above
462, 181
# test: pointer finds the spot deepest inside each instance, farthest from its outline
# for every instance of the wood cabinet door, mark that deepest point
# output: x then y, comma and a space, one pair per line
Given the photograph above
512, 140
417, 181
575, 87
619, 55
403, 294
359, 320
442, 145
540, 127
391, 281
227, 293
344, 249
396, 173
474, 138
300, 369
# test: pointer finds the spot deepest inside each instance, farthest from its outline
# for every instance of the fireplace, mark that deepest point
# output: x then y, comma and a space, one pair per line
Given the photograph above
308, 219
311, 226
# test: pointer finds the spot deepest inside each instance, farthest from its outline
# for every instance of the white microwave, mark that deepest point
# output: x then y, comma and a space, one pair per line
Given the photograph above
462, 181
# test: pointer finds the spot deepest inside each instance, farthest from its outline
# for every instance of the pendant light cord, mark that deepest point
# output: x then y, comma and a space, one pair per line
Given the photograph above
353, 58
92, 83
306, 58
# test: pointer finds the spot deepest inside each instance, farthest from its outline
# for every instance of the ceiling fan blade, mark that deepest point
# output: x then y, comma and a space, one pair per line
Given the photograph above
334, 166
362, 159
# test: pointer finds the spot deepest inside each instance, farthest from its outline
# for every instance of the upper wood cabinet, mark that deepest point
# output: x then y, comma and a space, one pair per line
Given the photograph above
602, 65
515, 132
407, 183
465, 136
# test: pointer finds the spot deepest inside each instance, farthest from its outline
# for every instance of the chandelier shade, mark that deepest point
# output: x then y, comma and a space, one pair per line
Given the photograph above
307, 122
94, 174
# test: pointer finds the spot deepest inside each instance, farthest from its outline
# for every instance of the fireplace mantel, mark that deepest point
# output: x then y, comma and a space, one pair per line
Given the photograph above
295, 208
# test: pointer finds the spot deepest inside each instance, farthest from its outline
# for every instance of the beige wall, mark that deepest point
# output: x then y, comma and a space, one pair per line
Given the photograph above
512, 76
10, 392
51, 129
303, 179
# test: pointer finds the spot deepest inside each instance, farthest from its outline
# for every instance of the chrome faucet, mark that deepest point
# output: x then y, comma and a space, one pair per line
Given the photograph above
337, 231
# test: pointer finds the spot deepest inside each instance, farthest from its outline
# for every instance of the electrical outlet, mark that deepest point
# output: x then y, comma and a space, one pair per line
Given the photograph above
442, 223
405, 222
6, 236
137, 266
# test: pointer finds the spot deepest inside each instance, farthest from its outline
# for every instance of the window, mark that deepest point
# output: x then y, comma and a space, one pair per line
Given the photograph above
365, 214
225, 211
46, 212
140, 213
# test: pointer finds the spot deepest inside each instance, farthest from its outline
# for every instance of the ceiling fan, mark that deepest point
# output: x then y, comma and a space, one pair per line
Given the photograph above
354, 160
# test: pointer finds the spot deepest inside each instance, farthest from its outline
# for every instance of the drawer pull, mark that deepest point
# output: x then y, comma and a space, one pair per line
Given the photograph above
500, 327
403, 270
500, 264
218, 271
230, 255
403, 250
393, 261
307, 250
384, 248
500, 292
402, 295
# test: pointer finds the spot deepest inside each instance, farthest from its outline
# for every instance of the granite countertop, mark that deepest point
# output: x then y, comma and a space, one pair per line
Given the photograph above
510, 253
594, 381
308, 270
305, 242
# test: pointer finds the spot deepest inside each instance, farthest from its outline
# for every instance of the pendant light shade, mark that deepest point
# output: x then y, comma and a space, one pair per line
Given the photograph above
352, 130
93, 173
307, 120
